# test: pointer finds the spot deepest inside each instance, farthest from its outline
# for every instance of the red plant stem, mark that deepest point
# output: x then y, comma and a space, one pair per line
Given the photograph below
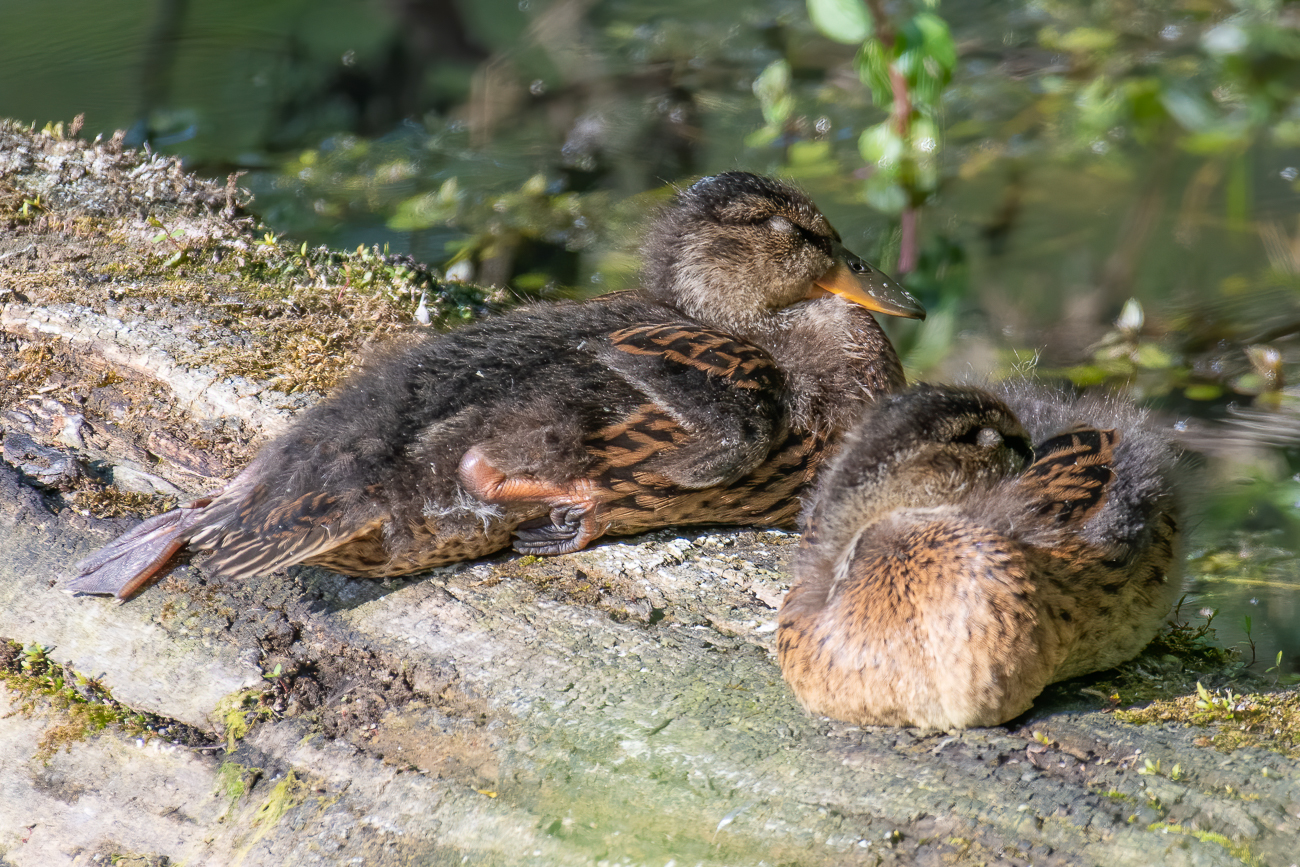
902, 108
908, 243
901, 111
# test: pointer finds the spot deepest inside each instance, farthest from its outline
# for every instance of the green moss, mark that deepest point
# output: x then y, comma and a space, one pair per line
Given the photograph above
1240, 851
126, 859
304, 312
234, 780
239, 712
307, 311
77, 706
1269, 720
285, 795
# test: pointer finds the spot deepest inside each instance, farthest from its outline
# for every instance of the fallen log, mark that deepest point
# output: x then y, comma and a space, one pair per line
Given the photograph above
618, 705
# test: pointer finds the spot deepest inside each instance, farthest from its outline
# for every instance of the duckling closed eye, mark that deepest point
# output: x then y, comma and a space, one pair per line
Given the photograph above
949, 572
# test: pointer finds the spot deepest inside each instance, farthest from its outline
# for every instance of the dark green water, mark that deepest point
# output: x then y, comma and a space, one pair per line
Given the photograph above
523, 137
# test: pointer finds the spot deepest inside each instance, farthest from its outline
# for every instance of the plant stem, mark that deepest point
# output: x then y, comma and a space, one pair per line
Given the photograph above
901, 111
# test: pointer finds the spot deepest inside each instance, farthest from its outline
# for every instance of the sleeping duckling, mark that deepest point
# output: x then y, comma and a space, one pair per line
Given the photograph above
708, 396
950, 570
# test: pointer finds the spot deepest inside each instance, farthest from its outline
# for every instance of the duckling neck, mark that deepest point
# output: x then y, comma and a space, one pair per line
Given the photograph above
835, 357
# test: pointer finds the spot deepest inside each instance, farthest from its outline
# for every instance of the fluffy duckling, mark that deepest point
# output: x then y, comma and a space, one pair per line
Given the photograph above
950, 570
708, 396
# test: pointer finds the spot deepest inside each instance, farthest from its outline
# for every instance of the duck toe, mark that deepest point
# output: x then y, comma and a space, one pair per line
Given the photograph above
569, 527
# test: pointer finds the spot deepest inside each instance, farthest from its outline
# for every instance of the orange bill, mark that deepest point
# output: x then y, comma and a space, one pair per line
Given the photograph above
854, 279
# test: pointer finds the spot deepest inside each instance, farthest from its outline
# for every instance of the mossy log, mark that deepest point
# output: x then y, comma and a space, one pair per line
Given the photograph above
619, 705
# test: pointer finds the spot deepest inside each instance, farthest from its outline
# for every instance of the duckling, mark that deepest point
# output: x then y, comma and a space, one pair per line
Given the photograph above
710, 395
949, 570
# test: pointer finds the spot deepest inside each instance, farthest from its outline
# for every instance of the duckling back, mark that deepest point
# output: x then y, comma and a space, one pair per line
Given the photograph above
948, 574
1130, 573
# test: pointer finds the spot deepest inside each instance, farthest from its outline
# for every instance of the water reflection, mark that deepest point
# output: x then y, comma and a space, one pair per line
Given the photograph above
517, 140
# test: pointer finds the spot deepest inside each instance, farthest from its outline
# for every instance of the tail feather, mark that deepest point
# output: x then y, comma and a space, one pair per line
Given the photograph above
128, 563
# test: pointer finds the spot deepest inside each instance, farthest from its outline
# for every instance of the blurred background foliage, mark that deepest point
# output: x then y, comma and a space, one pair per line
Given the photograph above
1103, 189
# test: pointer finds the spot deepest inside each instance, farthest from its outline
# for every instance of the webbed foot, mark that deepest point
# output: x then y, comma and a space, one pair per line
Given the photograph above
574, 521
569, 528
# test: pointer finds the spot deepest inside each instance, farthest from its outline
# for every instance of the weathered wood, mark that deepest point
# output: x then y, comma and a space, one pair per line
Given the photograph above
619, 705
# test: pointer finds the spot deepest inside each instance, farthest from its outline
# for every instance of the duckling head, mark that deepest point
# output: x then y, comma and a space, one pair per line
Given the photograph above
735, 249
929, 445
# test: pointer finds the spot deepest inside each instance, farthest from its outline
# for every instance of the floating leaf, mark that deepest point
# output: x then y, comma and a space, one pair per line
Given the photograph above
812, 159
1153, 357
1204, 391
1087, 40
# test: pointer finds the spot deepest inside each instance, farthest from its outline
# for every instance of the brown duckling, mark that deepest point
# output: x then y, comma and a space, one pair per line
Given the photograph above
708, 396
950, 570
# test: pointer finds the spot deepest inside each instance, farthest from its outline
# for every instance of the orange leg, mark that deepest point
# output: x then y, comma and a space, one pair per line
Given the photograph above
574, 521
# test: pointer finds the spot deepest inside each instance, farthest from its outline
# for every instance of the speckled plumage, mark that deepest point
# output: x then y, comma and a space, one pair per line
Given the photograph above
710, 395
948, 573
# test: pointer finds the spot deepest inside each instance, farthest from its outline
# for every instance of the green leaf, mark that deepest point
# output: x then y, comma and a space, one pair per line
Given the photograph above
1223, 138
925, 55
936, 39
1086, 375
812, 159
1188, 109
1204, 391
1286, 133
873, 70
880, 146
846, 21
924, 138
1152, 357
884, 194
772, 87
1089, 40
426, 210
761, 138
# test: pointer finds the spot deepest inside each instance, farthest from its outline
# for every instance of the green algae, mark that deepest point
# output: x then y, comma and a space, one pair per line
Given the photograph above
1269, 721
77, 706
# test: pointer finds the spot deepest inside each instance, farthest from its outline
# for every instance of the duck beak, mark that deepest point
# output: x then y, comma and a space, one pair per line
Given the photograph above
854, 279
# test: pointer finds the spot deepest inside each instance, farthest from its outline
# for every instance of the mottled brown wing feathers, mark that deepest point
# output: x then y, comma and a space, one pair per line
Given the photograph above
1072, 474
267, 539
713, 352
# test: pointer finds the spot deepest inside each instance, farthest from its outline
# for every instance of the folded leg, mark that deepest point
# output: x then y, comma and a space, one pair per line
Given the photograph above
574, 521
